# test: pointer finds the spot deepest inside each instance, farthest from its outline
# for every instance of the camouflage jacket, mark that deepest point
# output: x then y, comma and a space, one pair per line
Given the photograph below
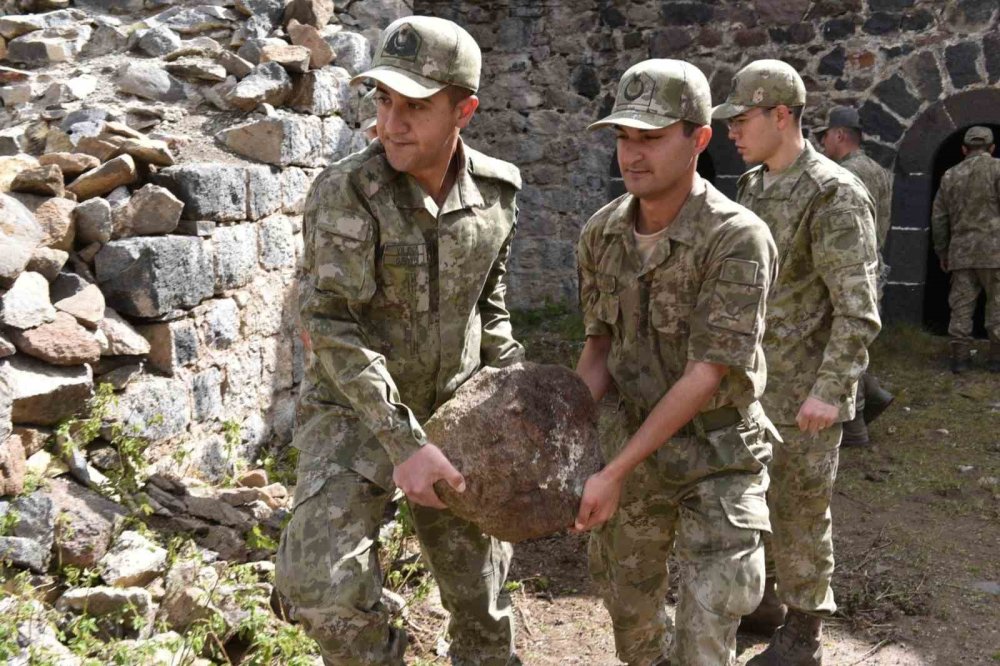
821, 313
403, 302
701, 296
878, 181
965, 222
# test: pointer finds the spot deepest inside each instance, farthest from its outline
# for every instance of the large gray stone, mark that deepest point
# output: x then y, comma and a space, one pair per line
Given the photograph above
24, 553
155, 408
270, 9
85, 523
291, 139
44, 394
12, 455
263, 191
158, 41
235, 256
27, 304
133, 560
352, 49
202, 18
206, 392
338, 139
50, 46
172, 344
122, 339
130, 608
93, 221
209, 191
78, 297
48, 262
219, 321
268, 83
17, 25
277, 243
150, 276
322, 92
151, 210
150, 81
525, 439
20, 235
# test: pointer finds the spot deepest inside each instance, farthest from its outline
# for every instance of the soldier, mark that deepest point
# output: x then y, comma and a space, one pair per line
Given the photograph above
965, 225
841, 141
368, 115
406, 248
821, 317
674, 278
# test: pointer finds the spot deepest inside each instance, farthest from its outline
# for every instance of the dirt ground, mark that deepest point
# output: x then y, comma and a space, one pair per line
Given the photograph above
916, 520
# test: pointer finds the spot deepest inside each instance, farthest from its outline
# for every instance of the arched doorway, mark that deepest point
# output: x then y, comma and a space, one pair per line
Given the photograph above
936, 311
914, 292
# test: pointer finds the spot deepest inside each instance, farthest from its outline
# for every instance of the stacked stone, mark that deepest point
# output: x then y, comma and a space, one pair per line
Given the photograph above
174, 283
550, 69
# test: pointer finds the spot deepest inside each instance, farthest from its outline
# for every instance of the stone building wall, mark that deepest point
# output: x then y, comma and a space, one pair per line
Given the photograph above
551, 68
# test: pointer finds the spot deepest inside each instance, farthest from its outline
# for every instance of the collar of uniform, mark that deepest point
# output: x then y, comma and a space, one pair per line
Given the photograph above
684, 227
464, 193
784, 184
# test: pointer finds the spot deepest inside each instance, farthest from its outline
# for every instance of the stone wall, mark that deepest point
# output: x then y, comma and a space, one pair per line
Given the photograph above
154, 162
551, 68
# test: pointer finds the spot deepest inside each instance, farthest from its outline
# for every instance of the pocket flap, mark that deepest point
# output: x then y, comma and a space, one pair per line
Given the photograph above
747, 512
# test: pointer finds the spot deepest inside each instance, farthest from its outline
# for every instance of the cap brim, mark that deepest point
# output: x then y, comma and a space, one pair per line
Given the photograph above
726, 111
405, 83
635, 119
368, 124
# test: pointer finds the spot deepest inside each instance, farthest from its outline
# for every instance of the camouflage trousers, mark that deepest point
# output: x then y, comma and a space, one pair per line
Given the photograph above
800, 548
328, 569
965, 287
714, 527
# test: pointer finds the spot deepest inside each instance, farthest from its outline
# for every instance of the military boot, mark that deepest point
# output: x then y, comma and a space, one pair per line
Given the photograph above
961, 356
796, 643
993, 365
855, 432
769, 615
877, 399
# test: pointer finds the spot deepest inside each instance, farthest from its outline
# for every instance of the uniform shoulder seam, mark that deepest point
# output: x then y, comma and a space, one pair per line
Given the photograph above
491, 167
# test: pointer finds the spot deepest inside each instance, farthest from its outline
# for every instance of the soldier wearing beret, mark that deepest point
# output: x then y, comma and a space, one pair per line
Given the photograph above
965, 225
406, 248
674, 279
822, 314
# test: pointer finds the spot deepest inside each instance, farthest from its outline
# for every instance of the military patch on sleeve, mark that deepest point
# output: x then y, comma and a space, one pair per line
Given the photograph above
606, 282
740, 271
348, 226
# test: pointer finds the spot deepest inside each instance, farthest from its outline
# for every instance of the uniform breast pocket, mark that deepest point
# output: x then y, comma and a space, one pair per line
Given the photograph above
341, 253
404, 276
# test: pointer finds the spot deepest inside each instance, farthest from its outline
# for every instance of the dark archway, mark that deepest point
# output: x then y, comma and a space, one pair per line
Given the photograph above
909, 248
936, 287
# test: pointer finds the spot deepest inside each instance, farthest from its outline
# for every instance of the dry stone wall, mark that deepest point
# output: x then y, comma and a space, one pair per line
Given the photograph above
551, 67
154, 160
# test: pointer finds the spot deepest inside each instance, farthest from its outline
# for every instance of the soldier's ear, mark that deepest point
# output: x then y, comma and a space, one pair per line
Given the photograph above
702, 137
466, 108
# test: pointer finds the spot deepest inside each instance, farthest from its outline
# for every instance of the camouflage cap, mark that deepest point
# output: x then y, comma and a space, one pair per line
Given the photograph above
418, 56
658, 93
841, 116
367, 111
763, 83
978, 136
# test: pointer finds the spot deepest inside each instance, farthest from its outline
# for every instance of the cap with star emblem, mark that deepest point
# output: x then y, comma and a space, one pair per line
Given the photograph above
658, 93
764, 83
418, 56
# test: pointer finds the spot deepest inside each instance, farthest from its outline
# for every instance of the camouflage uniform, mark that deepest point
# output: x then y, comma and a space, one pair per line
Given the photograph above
403, 302
966, 228
822, 315
700, 296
